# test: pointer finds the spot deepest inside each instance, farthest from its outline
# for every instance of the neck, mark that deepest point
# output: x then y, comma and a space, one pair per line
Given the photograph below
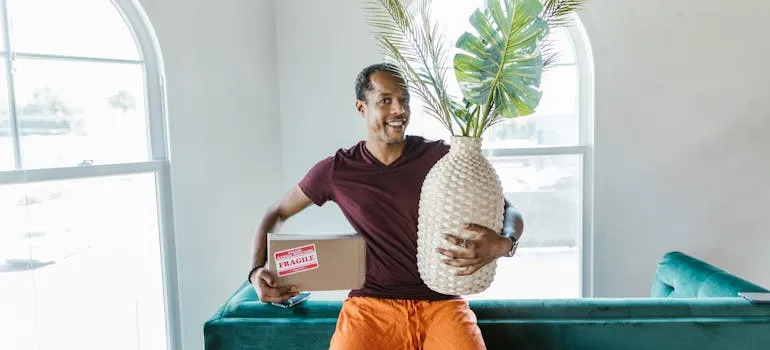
386, 153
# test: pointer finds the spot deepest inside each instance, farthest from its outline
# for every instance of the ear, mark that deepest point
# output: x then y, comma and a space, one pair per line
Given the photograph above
360, 107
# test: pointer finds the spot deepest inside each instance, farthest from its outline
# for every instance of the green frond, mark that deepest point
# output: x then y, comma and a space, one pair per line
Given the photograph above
549, 52
416, 48
558, 13
420, 87
500, 64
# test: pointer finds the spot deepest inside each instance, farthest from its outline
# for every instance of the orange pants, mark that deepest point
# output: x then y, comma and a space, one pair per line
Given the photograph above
371, 323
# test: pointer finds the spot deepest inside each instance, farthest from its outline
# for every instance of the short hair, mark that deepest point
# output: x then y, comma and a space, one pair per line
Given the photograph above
364, 84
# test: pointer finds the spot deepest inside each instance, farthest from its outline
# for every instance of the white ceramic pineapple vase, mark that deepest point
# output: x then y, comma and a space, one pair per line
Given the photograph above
462, 187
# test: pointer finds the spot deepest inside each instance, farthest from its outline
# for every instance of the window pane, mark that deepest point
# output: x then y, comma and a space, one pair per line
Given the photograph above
562, 45
546, 189
536, 274
74, 113
6, 146
94, 275
17, 301
6, 143
91, 28
555, 121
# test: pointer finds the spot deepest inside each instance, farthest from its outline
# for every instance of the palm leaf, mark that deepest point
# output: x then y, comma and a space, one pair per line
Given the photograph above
501, 65
549, 52
417, 48
558, 13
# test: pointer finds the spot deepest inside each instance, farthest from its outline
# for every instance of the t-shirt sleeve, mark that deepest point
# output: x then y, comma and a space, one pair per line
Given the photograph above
442, 148
317, 182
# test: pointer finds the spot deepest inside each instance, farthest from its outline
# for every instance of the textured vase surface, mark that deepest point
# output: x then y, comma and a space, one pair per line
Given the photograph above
462, 187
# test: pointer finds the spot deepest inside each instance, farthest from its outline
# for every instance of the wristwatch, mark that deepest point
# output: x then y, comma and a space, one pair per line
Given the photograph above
513, 246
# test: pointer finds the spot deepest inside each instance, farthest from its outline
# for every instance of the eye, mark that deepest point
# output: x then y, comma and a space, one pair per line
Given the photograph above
385, 100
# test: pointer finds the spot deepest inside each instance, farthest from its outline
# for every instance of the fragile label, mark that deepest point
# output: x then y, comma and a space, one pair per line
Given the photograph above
296, 260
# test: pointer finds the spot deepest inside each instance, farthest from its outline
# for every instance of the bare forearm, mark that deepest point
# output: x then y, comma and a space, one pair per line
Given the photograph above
270, 223
292, 203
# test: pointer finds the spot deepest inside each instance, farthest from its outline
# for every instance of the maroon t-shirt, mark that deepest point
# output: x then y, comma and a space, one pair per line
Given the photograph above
381, 203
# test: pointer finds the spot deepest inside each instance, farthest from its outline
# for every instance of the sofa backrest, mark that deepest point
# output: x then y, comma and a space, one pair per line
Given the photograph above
681, 276
243, 323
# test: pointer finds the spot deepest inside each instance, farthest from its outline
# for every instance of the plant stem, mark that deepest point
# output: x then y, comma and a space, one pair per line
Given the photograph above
487, 109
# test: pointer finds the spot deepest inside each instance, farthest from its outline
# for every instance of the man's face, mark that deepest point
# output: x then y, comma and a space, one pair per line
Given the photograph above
386, 109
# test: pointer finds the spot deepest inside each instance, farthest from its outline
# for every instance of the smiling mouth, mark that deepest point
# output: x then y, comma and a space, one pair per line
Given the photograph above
398, 123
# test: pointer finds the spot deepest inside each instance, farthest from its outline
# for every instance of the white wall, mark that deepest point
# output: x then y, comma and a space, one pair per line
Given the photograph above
320, 50
678, 160
225, 141
682, 114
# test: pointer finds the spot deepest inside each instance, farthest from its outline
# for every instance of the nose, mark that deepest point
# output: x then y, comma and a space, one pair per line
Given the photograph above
399, 107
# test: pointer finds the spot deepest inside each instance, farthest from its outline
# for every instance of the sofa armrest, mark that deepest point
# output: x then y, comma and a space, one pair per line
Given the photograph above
681, 276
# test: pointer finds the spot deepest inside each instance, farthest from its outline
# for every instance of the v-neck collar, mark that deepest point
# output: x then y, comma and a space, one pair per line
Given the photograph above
371, 158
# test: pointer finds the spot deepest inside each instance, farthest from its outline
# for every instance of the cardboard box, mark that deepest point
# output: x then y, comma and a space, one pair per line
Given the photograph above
317, 262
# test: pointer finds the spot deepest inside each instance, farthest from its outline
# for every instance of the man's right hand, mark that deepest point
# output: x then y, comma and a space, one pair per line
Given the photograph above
265, 284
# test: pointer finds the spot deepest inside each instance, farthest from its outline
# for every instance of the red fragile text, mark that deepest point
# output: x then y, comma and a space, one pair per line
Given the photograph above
292, 262
296, 260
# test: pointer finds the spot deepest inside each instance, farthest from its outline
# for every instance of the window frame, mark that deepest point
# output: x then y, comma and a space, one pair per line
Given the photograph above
158, 164
584, 148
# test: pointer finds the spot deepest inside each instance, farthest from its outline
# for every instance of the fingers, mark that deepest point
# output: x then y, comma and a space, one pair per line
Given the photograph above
477, 232
457, 254
269, 291
465, 266
277, 299
456, 240
474, 228
277, 294
465, 248
468, 270
470, 254
478, 229
461, 262
268, 277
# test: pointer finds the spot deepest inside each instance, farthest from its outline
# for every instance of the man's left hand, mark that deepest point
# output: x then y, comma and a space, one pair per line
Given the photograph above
484, 246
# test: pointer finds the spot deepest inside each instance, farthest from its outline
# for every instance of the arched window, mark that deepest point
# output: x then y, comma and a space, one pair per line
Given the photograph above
544, 162
86, 253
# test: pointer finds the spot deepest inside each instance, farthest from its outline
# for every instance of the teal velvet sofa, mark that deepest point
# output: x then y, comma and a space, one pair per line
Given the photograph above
693, 305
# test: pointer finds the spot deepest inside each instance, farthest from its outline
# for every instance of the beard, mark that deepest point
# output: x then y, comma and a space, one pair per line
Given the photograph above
392, 135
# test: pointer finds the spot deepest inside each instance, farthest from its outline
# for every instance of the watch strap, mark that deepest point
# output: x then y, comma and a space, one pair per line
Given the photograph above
515, 245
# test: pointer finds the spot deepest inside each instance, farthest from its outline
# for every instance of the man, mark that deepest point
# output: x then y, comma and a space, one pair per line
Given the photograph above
376, 183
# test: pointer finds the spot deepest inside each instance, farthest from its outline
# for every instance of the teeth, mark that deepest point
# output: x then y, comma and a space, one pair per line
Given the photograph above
395, 123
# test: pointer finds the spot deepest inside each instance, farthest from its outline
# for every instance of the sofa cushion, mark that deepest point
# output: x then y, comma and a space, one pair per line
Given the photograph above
681, 276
